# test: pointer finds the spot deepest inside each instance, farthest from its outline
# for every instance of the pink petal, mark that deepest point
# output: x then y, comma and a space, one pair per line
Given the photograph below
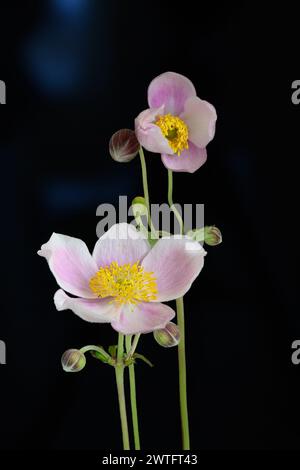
71, 264
172, 90
143, 318
91, 310
148, 134
175, 262
200, 117
188, 161
121, 243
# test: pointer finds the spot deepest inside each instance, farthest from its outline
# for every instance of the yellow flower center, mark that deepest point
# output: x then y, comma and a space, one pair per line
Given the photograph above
175, 130
128, 283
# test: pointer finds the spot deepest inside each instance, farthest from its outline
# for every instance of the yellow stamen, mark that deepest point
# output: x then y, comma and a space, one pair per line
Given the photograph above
175, 130
128, 283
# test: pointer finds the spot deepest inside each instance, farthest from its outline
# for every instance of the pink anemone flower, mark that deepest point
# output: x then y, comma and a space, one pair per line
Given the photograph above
124, 281
178, 124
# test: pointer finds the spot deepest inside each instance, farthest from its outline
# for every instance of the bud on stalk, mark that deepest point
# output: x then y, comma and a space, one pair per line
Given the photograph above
167, 337
212, 235
73, 360
123, 146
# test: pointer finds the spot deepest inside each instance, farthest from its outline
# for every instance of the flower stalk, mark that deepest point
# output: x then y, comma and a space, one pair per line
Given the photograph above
153, 234
182, 376
119, 370
170, 201
181, 346
133, 347
130, 348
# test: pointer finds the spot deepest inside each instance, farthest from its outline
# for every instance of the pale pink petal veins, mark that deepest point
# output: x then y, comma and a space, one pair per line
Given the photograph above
175, 262
143, 318
188, 161
71, 264
149, 134
200, 117
91, 310
172, 90
122, 243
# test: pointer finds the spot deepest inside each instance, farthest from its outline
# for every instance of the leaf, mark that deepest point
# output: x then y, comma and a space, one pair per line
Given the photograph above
143, 358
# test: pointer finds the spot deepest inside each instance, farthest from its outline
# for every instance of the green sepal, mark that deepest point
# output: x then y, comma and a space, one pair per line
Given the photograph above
113, 350
100, 356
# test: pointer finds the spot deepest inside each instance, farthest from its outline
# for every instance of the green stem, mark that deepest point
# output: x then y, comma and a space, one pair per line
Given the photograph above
134, 412
134, 345
170, 200
181, 345
91, 347
119, 369
146, 193
182, 376
145, 180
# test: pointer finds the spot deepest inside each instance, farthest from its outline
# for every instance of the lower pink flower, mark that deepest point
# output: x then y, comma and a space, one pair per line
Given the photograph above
124, 281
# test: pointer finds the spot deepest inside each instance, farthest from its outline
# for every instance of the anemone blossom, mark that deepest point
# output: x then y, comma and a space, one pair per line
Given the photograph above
124, 281
178, 124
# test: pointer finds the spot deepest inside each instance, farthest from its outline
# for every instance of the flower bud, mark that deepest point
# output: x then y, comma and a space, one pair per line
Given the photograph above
73, 360
123, 146
139, 207
212, 235
168, 336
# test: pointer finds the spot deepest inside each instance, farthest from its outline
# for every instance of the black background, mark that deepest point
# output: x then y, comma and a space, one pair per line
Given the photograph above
75, 73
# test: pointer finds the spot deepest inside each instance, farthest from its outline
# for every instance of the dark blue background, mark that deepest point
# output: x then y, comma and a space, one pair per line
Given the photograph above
76, 71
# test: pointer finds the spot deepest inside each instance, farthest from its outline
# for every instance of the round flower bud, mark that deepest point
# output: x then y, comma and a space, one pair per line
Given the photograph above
139, 200
212, 236
168, 336
73, 360
123, 146
139, 207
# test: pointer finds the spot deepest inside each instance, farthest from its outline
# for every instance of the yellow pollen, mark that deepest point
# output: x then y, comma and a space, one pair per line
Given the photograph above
175, 130
128, 283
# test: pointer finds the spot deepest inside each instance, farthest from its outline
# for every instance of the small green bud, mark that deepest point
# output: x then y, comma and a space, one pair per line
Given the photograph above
212, 235
139, 200
139, 207
123, 146
168, 336
73, 360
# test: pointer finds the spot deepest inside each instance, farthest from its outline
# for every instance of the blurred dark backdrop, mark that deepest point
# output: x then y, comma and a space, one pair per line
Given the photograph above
78, 70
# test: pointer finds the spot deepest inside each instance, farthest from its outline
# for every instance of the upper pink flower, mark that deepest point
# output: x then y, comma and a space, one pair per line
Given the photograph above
124, 281
178, 124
